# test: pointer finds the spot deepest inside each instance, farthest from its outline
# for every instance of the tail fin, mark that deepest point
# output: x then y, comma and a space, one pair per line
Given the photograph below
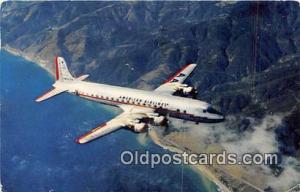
62, 72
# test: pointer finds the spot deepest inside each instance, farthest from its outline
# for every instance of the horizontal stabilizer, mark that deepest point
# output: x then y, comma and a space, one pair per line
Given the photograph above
51, 93
82, 77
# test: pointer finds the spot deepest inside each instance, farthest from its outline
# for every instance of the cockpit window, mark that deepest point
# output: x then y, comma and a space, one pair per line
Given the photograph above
212, 110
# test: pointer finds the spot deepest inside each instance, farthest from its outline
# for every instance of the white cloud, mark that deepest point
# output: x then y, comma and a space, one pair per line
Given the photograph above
259, 137
262, 139
289, 177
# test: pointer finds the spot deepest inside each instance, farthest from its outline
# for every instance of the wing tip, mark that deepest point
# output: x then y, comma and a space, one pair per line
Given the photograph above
178, 72
79, 141
191, 64
38, 100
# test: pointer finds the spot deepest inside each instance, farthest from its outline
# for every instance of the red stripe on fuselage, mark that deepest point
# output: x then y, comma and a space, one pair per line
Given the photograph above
56, 67
127, 103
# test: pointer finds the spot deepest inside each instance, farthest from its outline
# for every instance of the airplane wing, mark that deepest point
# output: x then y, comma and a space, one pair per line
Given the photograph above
170, 85
132, 115
129, 117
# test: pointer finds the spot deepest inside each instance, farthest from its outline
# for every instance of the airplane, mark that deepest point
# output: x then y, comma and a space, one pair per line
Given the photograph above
140, 108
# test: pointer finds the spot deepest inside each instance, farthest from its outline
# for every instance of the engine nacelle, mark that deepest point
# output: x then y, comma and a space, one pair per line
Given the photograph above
159, 120
140, 127
187, 90
184, 89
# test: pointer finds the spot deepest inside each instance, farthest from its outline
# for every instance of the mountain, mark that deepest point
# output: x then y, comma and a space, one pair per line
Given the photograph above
248, 53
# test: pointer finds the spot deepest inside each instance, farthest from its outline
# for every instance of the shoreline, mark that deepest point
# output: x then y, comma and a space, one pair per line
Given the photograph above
39, 62
198, 169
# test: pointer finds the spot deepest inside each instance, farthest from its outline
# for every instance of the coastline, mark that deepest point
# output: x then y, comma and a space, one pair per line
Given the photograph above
40, 62
199, 169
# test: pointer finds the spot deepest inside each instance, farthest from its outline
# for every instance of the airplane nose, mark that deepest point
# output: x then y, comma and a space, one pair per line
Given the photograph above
220, 118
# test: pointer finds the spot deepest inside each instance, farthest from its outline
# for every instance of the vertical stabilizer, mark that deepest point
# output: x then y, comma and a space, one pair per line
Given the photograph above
62, 72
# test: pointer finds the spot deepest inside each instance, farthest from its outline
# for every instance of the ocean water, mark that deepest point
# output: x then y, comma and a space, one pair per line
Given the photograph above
38, 149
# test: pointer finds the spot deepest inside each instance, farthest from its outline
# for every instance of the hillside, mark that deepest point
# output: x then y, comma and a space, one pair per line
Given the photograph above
248, 53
